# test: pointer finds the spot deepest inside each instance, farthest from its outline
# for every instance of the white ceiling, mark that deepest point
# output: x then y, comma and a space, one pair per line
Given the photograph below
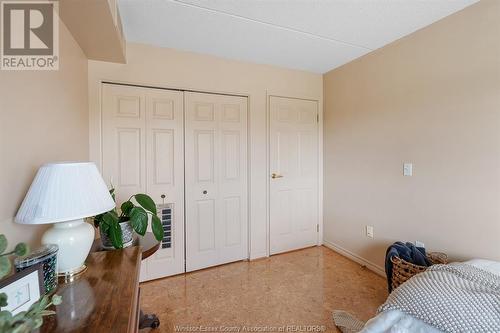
311, 35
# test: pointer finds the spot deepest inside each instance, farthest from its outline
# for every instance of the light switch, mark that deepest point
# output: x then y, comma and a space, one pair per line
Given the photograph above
369, 231
408, 169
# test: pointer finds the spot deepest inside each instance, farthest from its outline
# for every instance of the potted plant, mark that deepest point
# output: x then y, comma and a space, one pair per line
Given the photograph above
117, 229
24, 321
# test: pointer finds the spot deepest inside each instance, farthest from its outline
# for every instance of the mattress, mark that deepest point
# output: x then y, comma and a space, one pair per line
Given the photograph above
395, 321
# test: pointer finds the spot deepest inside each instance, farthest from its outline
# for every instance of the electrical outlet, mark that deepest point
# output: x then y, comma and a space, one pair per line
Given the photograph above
369, 231
407, 169
419, 244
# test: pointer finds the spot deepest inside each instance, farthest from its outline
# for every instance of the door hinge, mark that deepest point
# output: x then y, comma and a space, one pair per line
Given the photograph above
317, 227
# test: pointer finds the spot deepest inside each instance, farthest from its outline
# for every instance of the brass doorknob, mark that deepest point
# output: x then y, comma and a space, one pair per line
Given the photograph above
275, 175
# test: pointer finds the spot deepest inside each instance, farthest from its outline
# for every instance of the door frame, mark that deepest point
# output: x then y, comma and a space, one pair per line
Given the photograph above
96, 145
268, 161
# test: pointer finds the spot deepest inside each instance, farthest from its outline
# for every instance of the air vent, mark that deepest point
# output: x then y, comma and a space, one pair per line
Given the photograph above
166, 213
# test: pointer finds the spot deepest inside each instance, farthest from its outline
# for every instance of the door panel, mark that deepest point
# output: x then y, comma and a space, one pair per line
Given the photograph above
142, 143
216, 181
205, 217
165, 174
231, 150
123, 142
232, 218
129, 154
163, 158
204, 154
294, 160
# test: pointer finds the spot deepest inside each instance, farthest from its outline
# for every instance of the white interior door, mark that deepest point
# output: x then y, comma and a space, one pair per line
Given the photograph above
294, 174
216, 179
142, 150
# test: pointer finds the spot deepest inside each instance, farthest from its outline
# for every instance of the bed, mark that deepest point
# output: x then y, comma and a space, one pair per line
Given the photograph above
396, 321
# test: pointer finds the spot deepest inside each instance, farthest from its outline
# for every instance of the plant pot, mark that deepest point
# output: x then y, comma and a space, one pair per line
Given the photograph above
127, 236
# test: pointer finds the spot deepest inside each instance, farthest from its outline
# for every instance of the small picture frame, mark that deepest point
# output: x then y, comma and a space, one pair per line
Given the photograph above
23, 289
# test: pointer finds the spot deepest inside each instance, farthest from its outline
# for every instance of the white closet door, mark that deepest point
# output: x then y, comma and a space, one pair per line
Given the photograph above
294, 163
216, 179
123, 140
142, 140
165, 176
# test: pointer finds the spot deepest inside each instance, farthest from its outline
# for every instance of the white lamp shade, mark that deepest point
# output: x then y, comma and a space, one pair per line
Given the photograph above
63, 192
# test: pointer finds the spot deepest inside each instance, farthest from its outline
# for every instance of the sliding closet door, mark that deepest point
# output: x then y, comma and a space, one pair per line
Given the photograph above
216, 179
142, 152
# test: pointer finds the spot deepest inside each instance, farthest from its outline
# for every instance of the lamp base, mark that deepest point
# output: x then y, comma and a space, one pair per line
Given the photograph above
73, 275
74, 239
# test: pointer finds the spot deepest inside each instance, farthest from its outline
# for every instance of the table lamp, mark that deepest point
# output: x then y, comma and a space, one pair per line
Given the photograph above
64, 194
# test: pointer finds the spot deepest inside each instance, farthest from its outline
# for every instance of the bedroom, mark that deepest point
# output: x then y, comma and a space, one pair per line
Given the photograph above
206, 107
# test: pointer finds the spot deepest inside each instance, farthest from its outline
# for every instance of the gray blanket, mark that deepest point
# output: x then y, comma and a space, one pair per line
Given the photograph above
452, 298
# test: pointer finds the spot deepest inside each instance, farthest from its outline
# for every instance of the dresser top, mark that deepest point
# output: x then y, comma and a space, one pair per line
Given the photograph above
102, 299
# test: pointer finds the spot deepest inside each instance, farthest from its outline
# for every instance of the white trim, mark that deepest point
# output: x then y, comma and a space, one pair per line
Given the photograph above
268, 172
249, 182
321, 179
354, 257
319, 103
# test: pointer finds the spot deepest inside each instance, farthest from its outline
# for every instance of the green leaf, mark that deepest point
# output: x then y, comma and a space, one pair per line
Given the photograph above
24, 327
47, 313
43, 302
5, 315
146, 202
126, 207
157, 227
38, 322
3, 300
28, 321
110, 218
98, 220
3, 243
56, 299
5, 266
115, 234
139, 220
112, 229
104, 227
20, 317
114, 215
21, 249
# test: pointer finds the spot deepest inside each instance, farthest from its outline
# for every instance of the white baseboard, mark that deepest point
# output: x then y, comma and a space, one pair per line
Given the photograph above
354, 257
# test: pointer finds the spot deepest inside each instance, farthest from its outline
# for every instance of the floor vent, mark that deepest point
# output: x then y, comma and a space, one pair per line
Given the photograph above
165, 213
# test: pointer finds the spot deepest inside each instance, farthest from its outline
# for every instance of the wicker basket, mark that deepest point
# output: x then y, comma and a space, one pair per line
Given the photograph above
403, 270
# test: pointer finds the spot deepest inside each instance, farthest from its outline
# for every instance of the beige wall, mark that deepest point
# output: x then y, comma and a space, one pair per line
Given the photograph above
168, 68
43, 118
433, 99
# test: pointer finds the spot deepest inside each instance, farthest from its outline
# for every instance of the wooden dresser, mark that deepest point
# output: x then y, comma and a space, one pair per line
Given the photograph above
103, 299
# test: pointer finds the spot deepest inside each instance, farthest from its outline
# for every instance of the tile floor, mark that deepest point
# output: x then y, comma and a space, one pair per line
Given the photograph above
297, 288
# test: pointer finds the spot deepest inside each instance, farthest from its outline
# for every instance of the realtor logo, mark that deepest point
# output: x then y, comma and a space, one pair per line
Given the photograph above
30, 35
